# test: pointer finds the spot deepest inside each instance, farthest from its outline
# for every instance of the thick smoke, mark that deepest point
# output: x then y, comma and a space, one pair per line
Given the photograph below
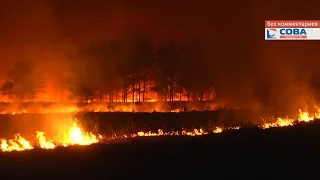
246, 70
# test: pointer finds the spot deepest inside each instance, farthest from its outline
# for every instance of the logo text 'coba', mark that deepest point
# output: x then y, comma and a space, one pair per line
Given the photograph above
293, 31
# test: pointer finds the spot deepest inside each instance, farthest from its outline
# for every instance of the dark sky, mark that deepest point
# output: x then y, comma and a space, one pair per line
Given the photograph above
51, 31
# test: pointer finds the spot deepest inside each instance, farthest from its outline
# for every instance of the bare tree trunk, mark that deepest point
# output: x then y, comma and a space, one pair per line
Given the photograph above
139, 91
172, 96
144, 90
170, 90
124, 94
133, 89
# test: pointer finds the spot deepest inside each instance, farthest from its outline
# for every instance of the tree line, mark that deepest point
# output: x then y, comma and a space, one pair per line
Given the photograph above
132, 70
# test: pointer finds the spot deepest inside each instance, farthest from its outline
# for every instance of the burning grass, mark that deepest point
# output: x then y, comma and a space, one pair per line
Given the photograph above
77, 135
50, 108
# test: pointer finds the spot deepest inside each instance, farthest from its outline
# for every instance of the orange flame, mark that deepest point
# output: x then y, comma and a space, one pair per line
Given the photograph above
75, 135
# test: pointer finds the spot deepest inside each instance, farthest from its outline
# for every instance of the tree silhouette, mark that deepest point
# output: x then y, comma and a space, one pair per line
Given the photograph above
115, 68
160, 87
142, 57
195, 71
175, 69
166, 59
123, 70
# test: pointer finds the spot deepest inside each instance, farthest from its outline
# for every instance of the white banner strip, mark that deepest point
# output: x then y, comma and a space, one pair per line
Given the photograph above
292, 33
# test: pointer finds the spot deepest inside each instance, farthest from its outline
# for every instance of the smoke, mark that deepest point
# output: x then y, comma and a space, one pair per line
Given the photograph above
246, 70
30, 33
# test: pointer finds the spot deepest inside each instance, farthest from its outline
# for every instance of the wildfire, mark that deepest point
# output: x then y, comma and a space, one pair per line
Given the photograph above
44, 144
75, 135
195, 132
17, 144
90, 107
281, 122
303, 116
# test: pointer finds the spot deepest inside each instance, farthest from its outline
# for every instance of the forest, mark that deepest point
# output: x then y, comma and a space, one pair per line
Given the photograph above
132, 70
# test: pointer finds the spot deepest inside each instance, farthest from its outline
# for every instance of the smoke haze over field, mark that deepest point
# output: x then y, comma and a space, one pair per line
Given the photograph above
246, 70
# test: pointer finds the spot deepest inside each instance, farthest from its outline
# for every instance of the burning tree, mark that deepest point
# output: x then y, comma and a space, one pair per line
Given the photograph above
25, 81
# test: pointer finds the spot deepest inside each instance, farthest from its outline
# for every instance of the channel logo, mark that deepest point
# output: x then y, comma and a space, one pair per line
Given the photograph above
271, 33
290, 33
292, 30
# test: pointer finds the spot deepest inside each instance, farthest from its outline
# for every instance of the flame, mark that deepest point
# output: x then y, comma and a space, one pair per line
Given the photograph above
93, 107
44, 144
194, 132
75, 135
175, 110
219, 130
281, 122
17, 144
304, 116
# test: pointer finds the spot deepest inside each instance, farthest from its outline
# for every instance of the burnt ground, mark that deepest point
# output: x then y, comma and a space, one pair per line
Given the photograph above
277, 153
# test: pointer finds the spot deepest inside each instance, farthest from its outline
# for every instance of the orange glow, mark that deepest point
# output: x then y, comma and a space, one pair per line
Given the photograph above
55, 92
75, 135
12, 108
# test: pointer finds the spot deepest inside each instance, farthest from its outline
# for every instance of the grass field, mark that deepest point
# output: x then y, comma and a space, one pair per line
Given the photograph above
275, 153
125, 122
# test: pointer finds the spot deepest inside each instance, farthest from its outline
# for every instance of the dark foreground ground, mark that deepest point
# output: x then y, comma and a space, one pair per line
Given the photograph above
279, 153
